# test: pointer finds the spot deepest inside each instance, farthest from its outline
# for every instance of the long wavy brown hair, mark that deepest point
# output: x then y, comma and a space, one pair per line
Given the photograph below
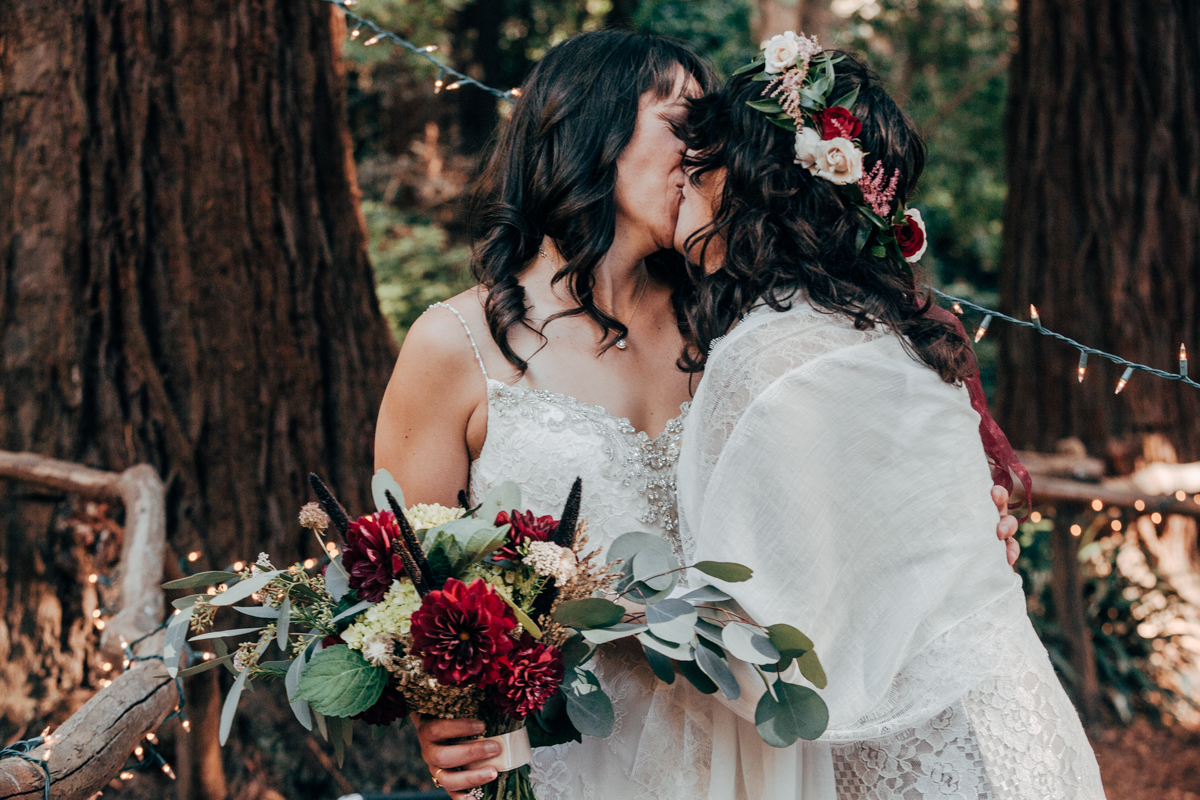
553, 172
783, 229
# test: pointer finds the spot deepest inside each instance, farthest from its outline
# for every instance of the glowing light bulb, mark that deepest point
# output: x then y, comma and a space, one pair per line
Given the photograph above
515, 92
453, 86
1181, 495
1183, 371
150, 737
238, 566
1033, 315
430, 48
1082, 366
106, 666
309, 563
194, 556
93, 578
354, 34
1036, 516
1125, 376
170, 773
99, 624
982, 330
373, 40
1140, 505
1116, 524
95, 613
137, 751
958, 309
1097, 505
127, 776
187, 725
1156, 518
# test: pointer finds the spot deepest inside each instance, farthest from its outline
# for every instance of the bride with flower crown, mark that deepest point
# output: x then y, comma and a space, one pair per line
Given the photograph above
563, 364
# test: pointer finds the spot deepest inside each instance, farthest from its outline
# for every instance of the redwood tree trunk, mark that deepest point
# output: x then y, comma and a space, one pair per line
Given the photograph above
1102, 229
183, 282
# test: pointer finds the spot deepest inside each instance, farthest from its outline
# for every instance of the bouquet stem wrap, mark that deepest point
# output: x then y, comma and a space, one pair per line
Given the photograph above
515, 751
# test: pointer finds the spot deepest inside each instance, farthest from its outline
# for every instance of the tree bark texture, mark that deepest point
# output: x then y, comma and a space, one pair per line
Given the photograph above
812, 17
1102, 227
183, 282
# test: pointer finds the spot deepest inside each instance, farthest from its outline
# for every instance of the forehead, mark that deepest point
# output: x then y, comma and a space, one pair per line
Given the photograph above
683, 88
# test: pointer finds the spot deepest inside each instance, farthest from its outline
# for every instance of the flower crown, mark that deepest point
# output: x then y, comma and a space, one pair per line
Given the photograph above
798, 97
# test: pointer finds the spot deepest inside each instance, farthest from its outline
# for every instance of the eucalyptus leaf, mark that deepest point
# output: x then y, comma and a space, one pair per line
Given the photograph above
652, 568
285, 618
201, 579
205, 666
628, 545
505, 497
175, 639
696, 677
618, 631
788, 640
663, 667
677, 651
639, 592
384, 482
188, 601
590, 612
576, 650
810, 668
225, 633
710, 631
485, 541
672, 620
715, 667
290, 682
337, 578
243, 589
322, 728
796, 712
706, 594
357, 608
258, 612
588, 707
337, 738
339, 682
724, 571
230, 706
749, 644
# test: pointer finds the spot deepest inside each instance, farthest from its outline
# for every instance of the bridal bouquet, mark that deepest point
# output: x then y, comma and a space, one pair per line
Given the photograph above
490, 613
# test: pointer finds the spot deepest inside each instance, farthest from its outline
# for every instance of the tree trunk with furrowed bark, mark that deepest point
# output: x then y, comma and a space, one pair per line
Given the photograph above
1102, 229
183, 282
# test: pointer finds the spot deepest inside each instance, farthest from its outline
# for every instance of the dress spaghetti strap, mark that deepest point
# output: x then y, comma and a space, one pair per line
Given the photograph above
466, 328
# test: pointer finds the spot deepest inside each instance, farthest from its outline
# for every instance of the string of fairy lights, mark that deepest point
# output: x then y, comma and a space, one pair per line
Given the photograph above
1034, 322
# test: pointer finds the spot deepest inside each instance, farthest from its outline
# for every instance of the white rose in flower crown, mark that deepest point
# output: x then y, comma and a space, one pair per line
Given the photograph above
808, 145
780, 51
838, 161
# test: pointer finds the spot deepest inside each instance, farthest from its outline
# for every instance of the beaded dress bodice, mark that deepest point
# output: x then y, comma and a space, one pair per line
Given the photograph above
543, 441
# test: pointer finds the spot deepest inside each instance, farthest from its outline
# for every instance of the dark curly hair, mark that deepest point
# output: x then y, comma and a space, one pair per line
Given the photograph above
783, 229
554, 170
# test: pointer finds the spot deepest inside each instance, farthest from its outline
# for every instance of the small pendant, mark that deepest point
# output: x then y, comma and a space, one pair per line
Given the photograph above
622, 344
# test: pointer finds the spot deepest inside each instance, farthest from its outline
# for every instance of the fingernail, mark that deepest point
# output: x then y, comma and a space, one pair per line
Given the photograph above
478, 727
491, 748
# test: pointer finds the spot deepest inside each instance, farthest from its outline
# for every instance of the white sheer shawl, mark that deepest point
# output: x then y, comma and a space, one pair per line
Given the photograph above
853, 481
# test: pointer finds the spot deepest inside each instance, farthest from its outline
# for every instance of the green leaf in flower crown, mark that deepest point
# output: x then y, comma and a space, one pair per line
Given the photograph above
243, 589
691, 670
672, 620
784, 122
847, 100
765, 106
505, 497
724, 571
339, 682
383, 482
590, 612
810, 668
749, 644
201, 579
879, 251
796, 712
753, 65
588, 707
715, 667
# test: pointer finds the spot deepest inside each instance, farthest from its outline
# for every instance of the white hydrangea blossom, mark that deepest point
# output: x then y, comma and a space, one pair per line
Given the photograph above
552, 561
389, 616
423, 516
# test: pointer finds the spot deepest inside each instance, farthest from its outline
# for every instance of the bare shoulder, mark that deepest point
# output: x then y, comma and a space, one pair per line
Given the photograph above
439, 333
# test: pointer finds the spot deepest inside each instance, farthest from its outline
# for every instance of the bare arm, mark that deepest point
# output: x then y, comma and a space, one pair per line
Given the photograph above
435, 390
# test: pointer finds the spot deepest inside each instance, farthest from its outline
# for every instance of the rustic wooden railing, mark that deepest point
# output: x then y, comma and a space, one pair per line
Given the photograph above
90, 748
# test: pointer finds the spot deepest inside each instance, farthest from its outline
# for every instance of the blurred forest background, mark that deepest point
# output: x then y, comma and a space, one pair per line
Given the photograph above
187, 283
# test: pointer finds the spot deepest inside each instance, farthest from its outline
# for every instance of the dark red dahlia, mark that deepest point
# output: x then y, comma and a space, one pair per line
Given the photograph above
460, 630
368, 555
390, 707
525, 528
331, 640
521, 682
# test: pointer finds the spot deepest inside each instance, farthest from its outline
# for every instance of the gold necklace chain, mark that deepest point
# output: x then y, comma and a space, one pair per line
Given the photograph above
621, 343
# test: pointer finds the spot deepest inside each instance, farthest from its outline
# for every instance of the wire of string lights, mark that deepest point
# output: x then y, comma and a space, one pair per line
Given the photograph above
379, 34
1035, 322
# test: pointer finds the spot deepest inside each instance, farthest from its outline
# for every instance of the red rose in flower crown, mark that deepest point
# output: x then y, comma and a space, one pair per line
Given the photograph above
368, 555
521, 682
525, 528
460, 631
838, 123
911, 236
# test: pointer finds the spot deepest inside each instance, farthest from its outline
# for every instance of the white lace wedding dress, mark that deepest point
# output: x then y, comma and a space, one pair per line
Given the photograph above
854, 483
542, 441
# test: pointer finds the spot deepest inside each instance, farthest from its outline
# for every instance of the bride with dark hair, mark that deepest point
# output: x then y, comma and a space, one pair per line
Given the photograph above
832, 448
563, 363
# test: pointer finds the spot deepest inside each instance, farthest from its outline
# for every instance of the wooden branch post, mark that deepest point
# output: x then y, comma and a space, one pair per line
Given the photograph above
1066, 585
89, 749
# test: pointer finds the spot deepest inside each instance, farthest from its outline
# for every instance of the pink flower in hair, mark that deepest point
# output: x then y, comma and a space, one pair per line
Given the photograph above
875, 194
